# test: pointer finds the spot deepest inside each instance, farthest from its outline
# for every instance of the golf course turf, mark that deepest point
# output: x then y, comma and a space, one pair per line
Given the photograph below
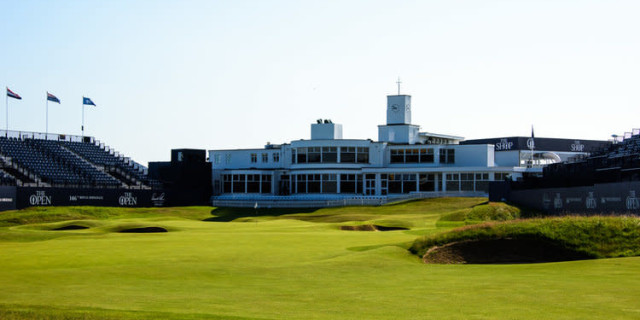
218, 263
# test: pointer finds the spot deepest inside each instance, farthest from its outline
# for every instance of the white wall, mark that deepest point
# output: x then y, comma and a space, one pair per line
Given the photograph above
326, 131
480, 155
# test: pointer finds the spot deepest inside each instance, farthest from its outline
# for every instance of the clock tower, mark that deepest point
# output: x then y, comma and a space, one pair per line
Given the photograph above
399, 129
399, 109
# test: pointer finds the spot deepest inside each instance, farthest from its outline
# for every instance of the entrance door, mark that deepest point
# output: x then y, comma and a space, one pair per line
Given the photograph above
384, 184
370, 184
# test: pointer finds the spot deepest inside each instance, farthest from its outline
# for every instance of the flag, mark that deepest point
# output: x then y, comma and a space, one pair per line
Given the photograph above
530, 142
87, 102
12, 94
532, 132
52, 98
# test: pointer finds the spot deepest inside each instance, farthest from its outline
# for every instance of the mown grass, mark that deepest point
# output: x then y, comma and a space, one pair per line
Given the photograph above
289, 265
597, 237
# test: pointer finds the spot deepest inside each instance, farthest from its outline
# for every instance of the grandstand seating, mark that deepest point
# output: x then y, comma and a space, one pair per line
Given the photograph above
618, 161
67, 164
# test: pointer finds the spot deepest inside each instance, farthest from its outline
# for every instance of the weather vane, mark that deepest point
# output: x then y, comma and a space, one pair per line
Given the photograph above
398, 82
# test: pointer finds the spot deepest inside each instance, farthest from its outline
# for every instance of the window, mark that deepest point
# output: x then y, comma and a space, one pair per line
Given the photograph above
226, 183
301, 183
314, 155
276, 157
253, 183
453, 182
254, 158
395, 183
482, 182
329, 183
447, 156
301, 155
501, 176
427, 182
227, 158
362, 155
285, 185
426, 155
348, 183
397, 155
384, 183
329, 154
408, 182
347, 154
265, 157
411, 156
265, 181
466, 182
217, 158
239, 183
313, 183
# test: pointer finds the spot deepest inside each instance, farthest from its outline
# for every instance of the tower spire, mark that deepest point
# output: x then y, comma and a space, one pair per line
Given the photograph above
398, 82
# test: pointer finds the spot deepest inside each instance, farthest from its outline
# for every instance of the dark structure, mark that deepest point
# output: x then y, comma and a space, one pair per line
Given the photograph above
186, 179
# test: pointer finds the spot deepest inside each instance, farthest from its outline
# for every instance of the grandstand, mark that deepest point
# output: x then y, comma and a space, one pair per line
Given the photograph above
30, 159
616, 162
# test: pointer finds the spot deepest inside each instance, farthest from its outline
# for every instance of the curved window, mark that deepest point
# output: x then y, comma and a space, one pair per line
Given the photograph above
330, 155
348, 154
420, 155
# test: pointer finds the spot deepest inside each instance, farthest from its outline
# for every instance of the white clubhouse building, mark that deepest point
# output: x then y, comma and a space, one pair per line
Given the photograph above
404, 162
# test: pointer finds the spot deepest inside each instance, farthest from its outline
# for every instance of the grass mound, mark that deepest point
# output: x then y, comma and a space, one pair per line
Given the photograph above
491, 211
579, 237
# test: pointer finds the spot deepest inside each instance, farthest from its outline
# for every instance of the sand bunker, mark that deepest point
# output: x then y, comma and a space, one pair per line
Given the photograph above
71, 227
501, 251
144, 230
371, 227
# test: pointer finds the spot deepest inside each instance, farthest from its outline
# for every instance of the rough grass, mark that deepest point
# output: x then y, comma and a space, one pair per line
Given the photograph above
490, 211
596, 237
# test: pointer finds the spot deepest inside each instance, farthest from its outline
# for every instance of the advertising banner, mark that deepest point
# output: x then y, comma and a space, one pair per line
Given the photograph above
34, 196
607, 198
7, 198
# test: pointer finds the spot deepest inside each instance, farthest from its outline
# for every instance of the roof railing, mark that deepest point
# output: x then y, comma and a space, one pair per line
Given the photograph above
44, 136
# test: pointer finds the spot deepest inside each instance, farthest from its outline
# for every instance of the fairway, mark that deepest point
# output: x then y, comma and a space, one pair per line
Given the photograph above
286, 266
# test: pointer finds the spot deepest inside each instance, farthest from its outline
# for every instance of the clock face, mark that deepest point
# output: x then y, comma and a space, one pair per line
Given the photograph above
407, 107
395, 108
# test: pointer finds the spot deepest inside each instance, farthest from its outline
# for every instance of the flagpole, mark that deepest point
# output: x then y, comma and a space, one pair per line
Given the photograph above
83, 116
46, 132
533, 145
6, 131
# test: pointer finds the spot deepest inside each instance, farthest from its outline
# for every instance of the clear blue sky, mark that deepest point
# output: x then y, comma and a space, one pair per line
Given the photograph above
236, 74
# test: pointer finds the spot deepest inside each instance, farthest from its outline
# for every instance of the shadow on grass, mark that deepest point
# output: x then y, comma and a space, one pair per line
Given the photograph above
230, 214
